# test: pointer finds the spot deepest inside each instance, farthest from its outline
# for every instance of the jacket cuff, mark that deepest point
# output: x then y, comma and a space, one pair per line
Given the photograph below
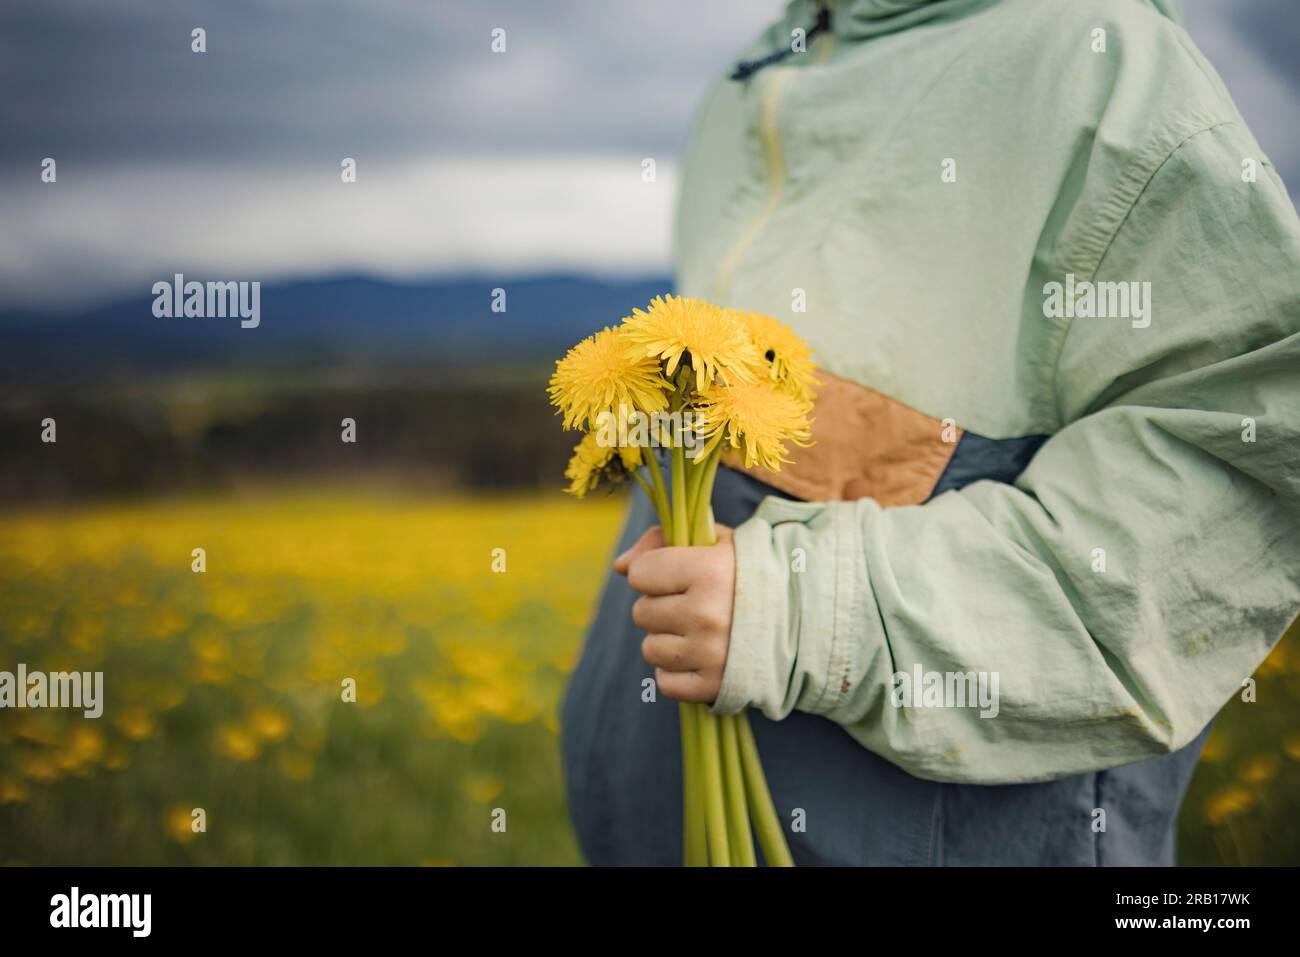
760, 611
788, 622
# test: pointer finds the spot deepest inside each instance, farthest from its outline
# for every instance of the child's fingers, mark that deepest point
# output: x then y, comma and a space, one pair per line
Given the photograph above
666, 613
653, 538
669, 652
673, 652
664, 571
685, 686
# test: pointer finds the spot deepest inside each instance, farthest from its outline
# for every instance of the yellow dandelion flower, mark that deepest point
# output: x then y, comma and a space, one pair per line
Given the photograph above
296, 765
629, 456
786, 357
1217, 747
178, 822
167, 696
39, 768
458, 720
135, 723
269, 724
370, 687
1228, 803
87, 744
39, 729
1259, 768
238, 744
757, 417
483, 788
210, 644
117, 758
599, 374
594, 461
13, 791
672, 329
1291, 745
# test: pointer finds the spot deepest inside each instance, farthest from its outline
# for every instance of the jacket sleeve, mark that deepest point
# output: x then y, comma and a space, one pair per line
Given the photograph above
1141, 567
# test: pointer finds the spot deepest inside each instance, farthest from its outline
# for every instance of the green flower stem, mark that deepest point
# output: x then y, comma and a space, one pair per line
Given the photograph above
696, 472
715, 813
709, 735
748, 765
660, 496
766, 825
733, 780
695, 851
701, 517
673, 517
681, 528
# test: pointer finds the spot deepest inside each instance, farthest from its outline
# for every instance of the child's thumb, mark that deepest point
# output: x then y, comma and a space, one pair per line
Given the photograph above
653, 538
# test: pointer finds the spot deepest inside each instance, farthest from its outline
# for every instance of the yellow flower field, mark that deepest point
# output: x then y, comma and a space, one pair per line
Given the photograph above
223, 689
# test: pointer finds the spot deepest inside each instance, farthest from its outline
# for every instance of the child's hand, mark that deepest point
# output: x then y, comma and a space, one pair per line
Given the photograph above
685, 608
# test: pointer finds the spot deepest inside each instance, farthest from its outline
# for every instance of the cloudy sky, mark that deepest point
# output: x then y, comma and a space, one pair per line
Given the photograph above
227, 163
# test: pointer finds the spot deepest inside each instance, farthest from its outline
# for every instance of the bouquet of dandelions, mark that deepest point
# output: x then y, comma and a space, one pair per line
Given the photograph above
692, 378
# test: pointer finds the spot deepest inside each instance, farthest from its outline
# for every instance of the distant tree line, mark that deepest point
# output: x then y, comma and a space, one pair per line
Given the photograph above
493, 432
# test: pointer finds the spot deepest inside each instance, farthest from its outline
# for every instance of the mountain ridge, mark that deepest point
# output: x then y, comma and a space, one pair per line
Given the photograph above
353, 318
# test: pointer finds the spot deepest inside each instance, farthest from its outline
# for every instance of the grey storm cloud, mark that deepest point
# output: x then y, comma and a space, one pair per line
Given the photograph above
1273, 28
296, 77
229, 161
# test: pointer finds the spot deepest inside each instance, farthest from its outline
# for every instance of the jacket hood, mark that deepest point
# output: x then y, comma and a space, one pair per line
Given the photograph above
862, 19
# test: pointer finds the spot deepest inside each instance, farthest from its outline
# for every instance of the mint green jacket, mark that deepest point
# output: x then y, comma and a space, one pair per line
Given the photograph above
906, 199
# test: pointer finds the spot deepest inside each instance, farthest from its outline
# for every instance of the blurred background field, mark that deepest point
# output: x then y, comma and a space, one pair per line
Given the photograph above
1244, 803
223, 688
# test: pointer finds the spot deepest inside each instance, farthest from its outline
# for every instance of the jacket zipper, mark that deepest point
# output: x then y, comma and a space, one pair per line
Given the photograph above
770, 136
